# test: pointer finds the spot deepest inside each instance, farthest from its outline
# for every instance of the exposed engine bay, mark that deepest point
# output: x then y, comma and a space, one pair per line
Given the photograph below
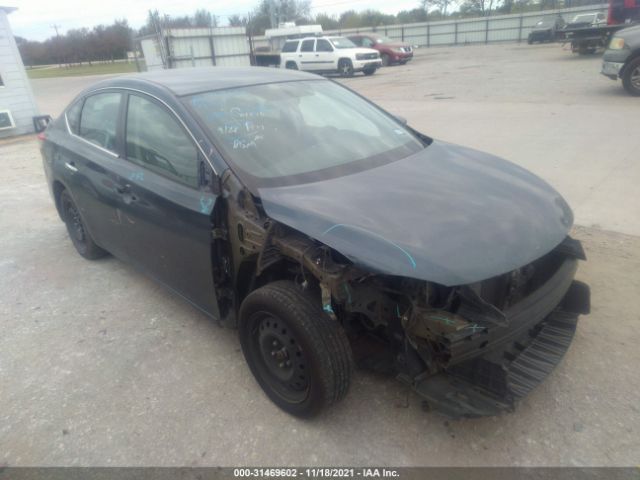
467, 350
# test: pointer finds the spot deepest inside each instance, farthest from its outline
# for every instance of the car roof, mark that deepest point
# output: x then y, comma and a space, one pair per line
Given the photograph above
187, 81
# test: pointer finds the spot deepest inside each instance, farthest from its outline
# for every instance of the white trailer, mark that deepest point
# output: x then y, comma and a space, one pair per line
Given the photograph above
196, 47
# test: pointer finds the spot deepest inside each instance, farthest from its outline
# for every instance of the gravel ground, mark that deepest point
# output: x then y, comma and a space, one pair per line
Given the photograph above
101, 366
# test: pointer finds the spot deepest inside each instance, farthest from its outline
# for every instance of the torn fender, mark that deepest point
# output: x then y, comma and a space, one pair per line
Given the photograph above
447, 214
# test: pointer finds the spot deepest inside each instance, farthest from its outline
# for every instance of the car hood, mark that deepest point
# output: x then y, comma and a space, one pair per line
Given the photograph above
447, 214
363, 50
395, 45
629, 32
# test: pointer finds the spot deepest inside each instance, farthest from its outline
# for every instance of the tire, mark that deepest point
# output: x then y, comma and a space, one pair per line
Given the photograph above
385, 60
631, 77
369, 71
345, 68
80, 237
283, 332
291, 66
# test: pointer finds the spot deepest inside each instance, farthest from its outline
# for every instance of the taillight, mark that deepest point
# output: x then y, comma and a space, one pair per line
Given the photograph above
42, 136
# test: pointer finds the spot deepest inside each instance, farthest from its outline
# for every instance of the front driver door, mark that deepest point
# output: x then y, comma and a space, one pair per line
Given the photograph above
325, 58
165, 208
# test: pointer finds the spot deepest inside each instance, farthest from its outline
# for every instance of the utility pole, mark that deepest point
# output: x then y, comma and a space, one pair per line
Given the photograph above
56, 27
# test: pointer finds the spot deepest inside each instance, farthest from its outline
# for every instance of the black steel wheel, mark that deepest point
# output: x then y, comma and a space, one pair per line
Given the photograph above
80, 237
631, 77
300, 357
345, 67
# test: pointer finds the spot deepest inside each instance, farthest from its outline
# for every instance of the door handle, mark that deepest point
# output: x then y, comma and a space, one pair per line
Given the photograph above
71, 166
122, 189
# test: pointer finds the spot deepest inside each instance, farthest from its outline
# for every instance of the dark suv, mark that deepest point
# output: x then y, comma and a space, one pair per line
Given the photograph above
622, 59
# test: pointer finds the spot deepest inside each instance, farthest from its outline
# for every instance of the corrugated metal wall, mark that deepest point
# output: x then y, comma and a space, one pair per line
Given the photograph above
194, 47
497, 28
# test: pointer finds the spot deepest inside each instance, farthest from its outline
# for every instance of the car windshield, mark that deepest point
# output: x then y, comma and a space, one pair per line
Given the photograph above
342, 42
300, 131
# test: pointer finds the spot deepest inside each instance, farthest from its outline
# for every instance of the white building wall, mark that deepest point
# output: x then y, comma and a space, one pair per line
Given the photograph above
16, 94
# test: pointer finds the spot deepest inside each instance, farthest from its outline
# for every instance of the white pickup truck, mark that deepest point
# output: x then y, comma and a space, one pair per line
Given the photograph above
329, 55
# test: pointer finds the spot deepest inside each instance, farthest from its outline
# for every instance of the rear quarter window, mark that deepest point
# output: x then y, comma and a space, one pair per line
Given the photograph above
99, 119
290, 47
73, 117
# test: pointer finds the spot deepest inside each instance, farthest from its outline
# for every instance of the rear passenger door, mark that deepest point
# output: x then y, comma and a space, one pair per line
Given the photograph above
164, 207
85, 161
306, 55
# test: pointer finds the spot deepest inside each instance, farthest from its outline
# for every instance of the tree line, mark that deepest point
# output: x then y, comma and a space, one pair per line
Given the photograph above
112, 42
102, 42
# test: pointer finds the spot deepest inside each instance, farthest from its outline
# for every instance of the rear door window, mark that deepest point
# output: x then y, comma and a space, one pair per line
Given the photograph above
99, 119
307, 46
157, 141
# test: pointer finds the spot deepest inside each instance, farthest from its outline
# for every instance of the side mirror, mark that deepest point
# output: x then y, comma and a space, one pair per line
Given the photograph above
400, 119
40, 122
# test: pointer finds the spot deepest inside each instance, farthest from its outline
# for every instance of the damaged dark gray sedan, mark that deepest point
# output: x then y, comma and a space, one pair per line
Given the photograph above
326, 230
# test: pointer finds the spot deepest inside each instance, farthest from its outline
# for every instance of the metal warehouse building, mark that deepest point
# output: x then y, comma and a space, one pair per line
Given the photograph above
17, 103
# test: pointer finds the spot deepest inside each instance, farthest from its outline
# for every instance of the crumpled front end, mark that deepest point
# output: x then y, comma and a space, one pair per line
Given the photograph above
506, 335
497, 339
469, 350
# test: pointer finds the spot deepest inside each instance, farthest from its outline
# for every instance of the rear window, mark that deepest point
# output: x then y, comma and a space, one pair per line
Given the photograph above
290, 46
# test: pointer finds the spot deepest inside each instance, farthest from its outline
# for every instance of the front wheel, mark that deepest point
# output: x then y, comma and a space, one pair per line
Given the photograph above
345, 67
300, 356
386, 61
291, 66
369, 71
631, 78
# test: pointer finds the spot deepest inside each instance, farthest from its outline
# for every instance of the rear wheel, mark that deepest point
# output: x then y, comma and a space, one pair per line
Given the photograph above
300, 357
82, 240
631, 77
345, 67
369, 71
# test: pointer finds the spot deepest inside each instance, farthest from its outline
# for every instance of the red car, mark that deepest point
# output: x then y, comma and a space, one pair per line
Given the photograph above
391, 51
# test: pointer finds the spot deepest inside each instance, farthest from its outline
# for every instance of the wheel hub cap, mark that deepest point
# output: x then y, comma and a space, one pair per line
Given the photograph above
282, 355
635, 78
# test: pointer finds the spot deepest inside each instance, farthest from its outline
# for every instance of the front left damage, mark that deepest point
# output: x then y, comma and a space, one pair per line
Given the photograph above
468, 350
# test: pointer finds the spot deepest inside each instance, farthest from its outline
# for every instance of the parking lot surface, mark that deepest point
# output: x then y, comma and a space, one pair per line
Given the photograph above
101, 366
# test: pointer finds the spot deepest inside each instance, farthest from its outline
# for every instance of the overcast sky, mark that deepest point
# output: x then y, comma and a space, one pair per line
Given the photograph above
34, 18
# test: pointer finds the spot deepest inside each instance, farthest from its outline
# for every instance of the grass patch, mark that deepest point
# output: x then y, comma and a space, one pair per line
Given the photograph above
76, 70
